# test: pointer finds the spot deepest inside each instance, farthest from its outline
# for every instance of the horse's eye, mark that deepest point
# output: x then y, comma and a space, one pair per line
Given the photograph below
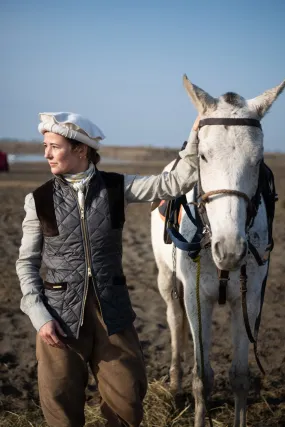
203, 157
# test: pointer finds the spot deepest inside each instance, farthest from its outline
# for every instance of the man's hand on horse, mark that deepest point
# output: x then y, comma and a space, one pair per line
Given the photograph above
192, 146
196, 124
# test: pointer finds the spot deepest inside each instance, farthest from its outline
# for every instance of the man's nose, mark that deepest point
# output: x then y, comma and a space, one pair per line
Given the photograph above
48, 153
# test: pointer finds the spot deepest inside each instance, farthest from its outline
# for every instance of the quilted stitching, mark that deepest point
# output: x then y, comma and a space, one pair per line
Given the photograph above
65, 258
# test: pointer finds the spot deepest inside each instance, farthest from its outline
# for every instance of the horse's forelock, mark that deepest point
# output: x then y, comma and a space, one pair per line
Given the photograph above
234, 99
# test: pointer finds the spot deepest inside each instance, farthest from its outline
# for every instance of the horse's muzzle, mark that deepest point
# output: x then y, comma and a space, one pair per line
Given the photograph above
229, 255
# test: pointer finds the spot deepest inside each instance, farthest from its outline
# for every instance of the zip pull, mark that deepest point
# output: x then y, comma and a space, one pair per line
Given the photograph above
89, 272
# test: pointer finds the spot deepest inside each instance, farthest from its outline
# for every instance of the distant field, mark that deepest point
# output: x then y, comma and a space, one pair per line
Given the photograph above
115, 152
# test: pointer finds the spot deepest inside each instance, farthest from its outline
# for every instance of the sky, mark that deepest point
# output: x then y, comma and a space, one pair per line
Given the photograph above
120, 63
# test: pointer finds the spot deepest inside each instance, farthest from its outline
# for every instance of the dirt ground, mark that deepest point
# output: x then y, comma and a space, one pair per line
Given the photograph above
17, 336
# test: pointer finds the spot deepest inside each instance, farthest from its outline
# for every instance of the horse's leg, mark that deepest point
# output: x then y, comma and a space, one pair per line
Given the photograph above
239, 371
175, 319
201, 384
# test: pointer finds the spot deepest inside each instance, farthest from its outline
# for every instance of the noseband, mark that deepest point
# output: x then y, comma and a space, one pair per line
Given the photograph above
205, 197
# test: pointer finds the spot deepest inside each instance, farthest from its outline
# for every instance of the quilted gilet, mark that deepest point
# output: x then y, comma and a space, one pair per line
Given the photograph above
74, 247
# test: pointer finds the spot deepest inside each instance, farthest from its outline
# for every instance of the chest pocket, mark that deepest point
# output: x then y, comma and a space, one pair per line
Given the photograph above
63, 246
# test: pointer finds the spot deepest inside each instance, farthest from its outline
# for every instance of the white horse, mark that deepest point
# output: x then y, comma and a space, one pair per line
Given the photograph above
229, 159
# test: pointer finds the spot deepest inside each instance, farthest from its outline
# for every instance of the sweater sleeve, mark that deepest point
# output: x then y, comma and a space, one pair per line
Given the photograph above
28, 267
167, 185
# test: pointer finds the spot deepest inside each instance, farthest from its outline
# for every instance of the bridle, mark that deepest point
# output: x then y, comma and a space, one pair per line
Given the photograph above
202, 237
204, 198
252, 208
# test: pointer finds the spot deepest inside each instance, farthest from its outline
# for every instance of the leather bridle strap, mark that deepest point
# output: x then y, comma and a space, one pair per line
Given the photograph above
205, 196
252, 339
223, 280
230, 122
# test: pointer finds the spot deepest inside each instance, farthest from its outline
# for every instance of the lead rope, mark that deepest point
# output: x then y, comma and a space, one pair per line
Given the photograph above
174, 292
198, 273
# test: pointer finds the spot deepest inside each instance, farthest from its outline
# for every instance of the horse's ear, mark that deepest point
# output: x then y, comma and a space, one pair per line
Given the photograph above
262, 103
201, 99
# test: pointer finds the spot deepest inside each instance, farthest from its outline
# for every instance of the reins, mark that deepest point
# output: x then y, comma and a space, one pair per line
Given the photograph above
252, 339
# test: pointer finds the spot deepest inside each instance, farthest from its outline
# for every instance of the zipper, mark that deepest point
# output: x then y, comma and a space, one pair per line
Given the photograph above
89, 272
87, 257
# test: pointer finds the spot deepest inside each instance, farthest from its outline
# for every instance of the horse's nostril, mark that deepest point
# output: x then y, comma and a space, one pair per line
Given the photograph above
229, 252
218, 250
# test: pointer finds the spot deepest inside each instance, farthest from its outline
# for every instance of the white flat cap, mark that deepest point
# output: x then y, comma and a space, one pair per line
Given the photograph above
73, 126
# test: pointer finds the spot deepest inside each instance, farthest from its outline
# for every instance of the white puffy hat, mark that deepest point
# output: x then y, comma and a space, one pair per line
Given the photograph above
73, 126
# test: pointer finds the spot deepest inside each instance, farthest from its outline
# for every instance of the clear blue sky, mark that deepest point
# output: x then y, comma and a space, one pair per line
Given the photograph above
120, 63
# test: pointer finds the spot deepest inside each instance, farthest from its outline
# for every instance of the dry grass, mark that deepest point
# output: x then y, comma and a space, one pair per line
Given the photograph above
161, 411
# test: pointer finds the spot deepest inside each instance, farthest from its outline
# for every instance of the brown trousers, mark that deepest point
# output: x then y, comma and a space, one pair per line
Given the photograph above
116, 362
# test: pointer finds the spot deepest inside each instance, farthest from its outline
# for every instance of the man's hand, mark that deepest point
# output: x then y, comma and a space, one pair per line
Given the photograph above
50, 333
196, 124
192, 146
